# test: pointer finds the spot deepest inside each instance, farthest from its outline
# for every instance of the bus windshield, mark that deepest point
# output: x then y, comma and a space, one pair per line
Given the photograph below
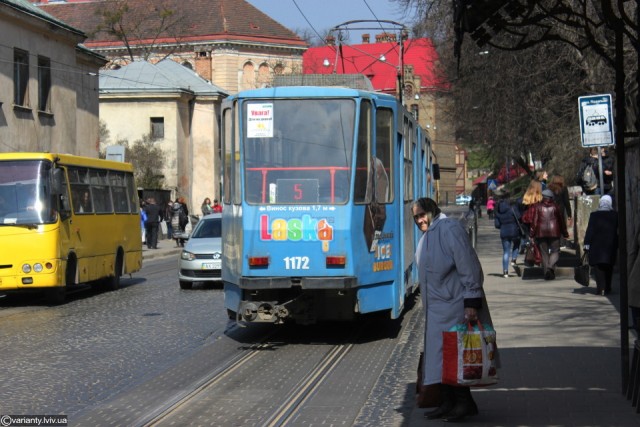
298, 151
25, 193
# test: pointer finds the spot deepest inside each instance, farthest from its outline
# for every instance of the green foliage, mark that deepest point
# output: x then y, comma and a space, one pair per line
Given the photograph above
480, 157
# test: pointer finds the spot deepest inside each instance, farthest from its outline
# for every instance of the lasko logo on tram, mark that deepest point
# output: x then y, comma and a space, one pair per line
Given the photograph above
305, 229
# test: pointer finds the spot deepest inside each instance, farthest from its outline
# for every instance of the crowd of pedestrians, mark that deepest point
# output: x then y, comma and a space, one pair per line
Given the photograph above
171, 219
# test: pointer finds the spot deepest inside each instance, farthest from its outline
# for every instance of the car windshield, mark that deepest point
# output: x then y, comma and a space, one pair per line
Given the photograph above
298, 151
207, 228
25, 193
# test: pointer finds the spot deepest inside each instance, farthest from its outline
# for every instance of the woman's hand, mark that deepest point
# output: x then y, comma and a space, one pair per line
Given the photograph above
470, 314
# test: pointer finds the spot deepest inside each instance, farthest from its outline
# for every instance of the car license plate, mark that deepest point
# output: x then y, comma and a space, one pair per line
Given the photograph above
210, 265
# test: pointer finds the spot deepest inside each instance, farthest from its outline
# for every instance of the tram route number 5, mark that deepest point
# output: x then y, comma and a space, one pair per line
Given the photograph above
296, 263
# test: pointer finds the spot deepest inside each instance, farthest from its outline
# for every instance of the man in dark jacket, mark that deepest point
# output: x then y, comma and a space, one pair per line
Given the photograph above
547, 226
153, 221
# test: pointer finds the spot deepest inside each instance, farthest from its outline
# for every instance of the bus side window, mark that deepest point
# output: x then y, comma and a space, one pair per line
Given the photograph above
82, 201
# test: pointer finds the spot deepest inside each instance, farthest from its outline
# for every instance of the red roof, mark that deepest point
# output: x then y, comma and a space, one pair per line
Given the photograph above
366, 59
193, 20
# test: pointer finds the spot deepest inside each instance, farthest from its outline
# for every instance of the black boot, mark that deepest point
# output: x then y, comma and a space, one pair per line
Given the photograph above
448, 403
465, 405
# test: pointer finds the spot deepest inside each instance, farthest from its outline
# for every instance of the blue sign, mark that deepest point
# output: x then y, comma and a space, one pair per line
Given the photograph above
596, 120
492, 184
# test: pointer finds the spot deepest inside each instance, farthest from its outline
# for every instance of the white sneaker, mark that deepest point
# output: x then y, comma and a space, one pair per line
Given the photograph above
506, 274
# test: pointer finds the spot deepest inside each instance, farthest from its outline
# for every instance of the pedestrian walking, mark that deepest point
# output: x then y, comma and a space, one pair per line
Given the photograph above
153, 222
547, 227
491, 205
507, 219
531, 196
601, 242
206, 207
561, 197
168, 216
179, 219
451, 281
541, 176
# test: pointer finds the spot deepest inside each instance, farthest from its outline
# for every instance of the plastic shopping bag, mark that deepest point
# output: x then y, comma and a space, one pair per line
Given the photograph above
468, 356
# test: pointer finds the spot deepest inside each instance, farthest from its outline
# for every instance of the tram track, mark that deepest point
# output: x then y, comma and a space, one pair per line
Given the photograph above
284, 411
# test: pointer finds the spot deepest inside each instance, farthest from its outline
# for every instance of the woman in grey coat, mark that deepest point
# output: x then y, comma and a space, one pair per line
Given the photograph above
451, 280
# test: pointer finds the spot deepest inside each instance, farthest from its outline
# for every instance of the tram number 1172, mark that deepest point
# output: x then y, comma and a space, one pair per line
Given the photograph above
296, 263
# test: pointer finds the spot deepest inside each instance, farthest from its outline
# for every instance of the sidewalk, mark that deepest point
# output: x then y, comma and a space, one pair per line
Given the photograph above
166, 247
560, 351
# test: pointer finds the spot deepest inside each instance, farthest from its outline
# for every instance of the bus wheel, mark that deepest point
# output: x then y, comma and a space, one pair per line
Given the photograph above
56, 296
113, 282
185, 285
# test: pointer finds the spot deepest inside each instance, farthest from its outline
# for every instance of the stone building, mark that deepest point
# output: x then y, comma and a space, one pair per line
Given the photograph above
48, 83
229, 43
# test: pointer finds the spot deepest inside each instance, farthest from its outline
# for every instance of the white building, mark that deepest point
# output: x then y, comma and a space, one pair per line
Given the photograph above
180, 110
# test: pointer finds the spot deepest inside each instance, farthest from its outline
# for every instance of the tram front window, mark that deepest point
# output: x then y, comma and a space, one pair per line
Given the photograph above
25, 193
298, 151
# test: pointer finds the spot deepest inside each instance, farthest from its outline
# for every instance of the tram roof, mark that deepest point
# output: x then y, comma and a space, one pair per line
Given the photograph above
310, 91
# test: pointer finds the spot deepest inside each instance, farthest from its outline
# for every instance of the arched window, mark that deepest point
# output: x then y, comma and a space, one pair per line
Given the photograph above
264, 75
187, 64
248, 76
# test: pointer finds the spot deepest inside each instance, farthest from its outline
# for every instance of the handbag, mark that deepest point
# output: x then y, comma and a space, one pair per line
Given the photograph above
582, 273
468, 356
532, 254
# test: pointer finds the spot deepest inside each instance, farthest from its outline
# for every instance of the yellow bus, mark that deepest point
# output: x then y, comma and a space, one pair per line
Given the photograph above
66, 220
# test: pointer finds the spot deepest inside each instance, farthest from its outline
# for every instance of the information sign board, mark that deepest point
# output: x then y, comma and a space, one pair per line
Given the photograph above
596, 120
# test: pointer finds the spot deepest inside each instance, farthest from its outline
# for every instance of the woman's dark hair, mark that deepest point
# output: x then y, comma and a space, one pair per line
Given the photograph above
428, 205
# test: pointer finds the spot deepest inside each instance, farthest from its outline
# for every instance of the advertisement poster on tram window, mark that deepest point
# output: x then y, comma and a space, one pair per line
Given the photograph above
260, 120
596, 120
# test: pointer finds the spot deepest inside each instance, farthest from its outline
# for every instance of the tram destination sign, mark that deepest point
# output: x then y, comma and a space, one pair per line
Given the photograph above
596, 120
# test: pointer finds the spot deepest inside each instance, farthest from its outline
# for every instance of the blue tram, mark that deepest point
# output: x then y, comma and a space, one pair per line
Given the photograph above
317, 191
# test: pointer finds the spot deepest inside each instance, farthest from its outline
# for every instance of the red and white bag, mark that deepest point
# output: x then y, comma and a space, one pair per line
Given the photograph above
468, 356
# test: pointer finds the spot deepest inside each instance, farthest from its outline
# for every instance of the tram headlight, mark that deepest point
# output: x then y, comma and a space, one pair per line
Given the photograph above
26, 268
187, 256
37, 267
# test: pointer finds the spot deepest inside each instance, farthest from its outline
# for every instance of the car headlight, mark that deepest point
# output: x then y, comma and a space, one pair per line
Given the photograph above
187, 256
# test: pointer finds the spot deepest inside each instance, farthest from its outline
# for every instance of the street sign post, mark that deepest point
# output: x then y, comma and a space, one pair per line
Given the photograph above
596, 120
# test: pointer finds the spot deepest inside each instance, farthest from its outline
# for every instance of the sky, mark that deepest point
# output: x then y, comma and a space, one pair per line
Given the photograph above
325, 14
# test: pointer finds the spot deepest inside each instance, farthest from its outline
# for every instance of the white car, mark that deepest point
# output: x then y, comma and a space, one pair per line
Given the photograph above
462, 199
201, 257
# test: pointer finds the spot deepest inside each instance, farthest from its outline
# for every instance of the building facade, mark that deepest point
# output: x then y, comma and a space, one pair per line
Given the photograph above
228, 43
48, 83
179, 111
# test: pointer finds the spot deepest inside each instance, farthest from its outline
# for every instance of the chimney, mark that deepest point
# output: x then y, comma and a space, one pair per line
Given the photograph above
330, 41
385, 37
365, 38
